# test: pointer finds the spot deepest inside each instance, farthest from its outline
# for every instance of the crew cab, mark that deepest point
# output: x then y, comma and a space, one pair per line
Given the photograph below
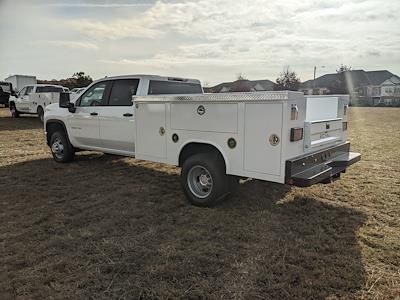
217, 139
32, 99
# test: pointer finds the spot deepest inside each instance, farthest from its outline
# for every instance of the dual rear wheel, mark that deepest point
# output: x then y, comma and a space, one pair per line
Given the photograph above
204, 180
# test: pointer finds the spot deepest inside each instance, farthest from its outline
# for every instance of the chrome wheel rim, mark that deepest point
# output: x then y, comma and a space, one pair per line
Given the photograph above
200, 182
57, 148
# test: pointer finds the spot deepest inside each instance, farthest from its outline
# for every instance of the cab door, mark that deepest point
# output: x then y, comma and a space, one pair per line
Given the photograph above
84, 123
24, 103
117, 122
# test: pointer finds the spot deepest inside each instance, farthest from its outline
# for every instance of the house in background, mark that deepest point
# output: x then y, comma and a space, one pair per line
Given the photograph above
364, 87
387, 93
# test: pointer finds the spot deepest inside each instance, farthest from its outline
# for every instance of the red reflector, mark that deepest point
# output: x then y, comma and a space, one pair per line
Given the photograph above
344, 126
290, 181
296, 134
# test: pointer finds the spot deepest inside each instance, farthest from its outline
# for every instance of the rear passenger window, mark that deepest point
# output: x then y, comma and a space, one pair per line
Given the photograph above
172, 87
122, 92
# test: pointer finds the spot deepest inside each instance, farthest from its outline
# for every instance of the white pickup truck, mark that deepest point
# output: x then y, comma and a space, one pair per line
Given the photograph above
32, 99
281, 137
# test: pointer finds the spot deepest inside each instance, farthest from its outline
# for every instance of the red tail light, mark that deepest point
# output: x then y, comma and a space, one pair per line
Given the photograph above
296, 134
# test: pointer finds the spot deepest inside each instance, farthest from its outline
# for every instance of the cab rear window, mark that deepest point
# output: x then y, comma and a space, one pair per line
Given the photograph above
173, 87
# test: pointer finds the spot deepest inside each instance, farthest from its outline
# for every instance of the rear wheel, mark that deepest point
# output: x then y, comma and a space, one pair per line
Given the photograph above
203, 179
40, 113
14, 111
61, 149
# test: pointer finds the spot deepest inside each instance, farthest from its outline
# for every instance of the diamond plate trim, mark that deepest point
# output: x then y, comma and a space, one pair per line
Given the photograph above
221, 97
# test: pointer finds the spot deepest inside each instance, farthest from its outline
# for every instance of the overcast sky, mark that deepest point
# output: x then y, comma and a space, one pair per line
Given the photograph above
206, 39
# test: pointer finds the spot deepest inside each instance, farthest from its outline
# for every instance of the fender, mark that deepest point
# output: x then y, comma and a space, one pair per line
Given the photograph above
55, 121
205, 142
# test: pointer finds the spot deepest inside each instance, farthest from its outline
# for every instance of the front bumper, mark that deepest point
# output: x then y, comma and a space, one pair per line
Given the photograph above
320, 167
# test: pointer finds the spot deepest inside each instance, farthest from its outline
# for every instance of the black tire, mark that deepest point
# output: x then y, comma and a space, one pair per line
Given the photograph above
14, 111
213, 188
40, 113
61, 149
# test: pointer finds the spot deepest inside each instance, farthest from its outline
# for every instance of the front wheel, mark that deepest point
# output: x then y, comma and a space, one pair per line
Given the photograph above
14, 111
40, 113
61, 149
204, 180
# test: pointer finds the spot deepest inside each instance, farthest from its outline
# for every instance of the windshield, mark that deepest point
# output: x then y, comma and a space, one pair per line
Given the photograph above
6, 87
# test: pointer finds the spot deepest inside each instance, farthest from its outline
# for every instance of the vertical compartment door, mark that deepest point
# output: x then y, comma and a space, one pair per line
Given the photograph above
151, 132
263, 138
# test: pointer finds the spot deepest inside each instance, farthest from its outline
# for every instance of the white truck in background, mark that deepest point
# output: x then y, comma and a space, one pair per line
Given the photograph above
32, 99
20, 81
281, 137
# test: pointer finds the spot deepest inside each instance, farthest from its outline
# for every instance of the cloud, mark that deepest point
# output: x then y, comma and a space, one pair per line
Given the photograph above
114, 30
70, 44
165, 61
98, 5
255, 37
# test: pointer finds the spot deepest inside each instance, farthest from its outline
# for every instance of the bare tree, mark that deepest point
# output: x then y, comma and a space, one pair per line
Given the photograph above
343, 68
241, 76
287, 80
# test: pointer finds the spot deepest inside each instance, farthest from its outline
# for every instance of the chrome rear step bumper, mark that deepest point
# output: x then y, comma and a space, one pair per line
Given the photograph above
320, 167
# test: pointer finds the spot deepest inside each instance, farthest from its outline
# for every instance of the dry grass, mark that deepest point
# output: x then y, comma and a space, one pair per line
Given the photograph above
109, 227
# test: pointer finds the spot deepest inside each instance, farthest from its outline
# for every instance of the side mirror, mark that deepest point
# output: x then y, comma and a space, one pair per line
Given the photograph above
65, 102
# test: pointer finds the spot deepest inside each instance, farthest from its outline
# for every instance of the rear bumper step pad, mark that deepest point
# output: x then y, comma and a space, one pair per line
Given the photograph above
322, 166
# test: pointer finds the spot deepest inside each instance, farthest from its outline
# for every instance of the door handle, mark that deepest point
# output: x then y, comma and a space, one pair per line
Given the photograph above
128, 115
94, 114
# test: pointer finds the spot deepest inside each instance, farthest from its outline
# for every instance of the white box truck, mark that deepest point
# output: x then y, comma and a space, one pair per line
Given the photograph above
215, 138
20, 81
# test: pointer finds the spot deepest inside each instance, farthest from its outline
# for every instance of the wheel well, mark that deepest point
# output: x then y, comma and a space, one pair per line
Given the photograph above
196, 148
52, 127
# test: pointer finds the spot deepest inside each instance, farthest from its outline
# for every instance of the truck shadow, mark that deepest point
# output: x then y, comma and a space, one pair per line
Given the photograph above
23, 123
119, 228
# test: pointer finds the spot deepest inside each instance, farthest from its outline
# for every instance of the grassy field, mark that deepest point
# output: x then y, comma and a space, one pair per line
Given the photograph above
110, 227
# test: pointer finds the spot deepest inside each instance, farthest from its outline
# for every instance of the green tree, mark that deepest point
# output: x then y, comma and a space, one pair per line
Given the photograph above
287, 80
82, 80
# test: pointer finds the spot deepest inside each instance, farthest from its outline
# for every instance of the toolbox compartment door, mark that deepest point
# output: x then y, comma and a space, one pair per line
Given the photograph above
151, 143
263, 123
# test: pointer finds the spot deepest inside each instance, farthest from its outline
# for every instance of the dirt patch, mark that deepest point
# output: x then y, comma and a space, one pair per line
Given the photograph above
109, 227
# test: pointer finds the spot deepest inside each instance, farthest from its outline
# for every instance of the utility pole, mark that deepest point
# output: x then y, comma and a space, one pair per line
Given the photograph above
315, 72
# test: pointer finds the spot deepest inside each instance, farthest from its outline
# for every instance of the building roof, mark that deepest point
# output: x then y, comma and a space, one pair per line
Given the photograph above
357, 77
242, 86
